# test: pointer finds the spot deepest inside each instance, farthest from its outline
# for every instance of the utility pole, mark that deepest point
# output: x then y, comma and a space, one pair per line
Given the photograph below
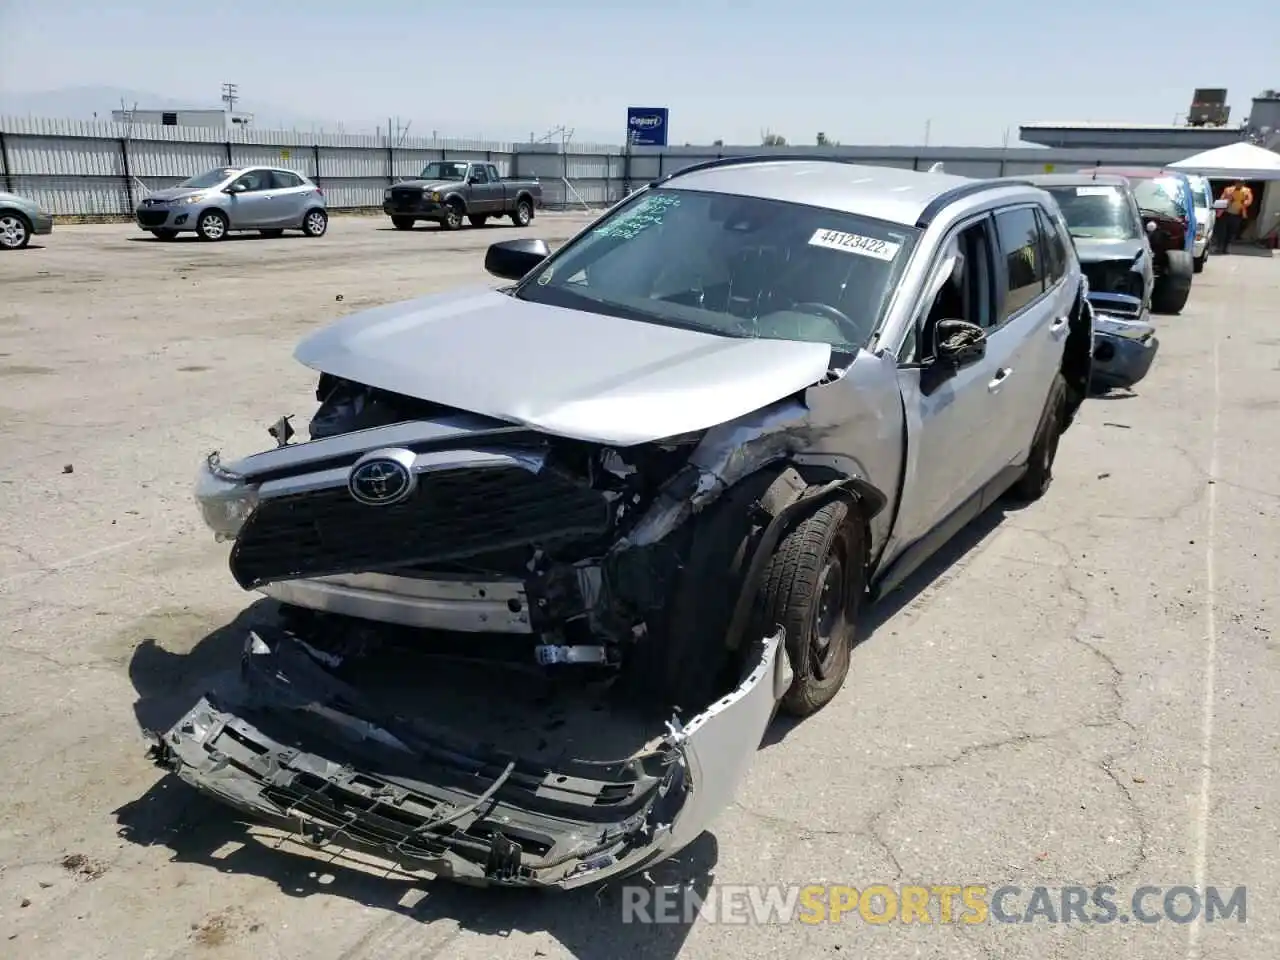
230, 95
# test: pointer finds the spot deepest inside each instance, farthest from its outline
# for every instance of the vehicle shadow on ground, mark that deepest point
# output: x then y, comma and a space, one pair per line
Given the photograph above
875, 615
595, 923
1113, 393
192, 238
169, 684
1249, 251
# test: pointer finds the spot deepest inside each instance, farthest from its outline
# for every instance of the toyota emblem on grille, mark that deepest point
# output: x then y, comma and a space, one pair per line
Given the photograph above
382, 478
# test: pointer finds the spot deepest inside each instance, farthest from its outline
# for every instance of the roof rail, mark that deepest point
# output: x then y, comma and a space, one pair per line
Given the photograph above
926, 217
743, 159
945, 199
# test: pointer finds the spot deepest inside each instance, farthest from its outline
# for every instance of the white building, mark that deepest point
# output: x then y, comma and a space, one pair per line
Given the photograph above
217, 119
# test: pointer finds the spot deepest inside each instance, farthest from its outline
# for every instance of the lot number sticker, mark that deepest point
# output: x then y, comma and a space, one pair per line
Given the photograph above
1094, 191
853, 243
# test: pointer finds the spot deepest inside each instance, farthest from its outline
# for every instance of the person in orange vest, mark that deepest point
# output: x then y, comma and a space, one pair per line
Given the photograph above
1239, 199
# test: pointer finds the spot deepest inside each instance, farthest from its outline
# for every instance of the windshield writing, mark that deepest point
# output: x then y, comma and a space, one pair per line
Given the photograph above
1096, 213
732, 266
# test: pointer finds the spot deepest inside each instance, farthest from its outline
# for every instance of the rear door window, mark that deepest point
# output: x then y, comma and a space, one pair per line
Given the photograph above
286, 180
1022, 252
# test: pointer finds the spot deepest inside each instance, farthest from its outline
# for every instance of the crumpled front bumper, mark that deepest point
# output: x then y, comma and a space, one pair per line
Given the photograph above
1123, 351
291, 745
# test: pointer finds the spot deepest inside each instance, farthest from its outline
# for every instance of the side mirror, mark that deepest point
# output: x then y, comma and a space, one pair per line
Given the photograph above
1151, 226
234, 188
512, 259
959, 343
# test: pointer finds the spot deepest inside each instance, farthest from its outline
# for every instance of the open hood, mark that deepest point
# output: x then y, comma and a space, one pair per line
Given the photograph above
585, 376
292, 745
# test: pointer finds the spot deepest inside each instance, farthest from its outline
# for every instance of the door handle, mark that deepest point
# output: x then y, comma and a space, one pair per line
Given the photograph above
1058, 323
998, 380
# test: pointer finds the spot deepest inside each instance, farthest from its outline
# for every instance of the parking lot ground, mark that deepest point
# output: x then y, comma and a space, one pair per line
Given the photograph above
1083, 691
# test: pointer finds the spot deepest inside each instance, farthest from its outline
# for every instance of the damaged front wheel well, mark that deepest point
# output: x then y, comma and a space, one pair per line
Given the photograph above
864, 499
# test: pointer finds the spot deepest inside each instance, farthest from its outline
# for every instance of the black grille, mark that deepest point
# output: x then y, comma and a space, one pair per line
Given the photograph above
1113, 276
409, 200
452, 515
153, 218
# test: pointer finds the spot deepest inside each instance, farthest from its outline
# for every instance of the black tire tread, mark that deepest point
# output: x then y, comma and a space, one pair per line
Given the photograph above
1033, 484
788, 589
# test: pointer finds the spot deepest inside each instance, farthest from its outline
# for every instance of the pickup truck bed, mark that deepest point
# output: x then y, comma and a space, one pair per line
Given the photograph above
447, 193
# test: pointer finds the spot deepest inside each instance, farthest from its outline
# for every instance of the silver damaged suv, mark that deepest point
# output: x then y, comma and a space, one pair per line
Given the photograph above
556, 553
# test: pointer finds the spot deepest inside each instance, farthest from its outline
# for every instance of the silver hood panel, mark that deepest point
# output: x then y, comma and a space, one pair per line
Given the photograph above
580, 375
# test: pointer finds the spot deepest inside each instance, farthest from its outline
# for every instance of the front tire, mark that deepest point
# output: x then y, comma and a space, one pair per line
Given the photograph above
813, 586
315, 223
15, 230
402, 223
452, 219
165, 235
1197, 265
1034, 484
1173, 289
212, 226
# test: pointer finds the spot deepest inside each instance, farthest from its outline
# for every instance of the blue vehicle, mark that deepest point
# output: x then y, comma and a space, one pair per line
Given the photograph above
1167, 203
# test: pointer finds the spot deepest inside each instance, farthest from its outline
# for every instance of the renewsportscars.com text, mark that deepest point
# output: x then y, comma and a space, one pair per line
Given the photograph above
936, 904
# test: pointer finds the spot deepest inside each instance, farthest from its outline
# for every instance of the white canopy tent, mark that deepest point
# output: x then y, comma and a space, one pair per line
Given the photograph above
1241, 161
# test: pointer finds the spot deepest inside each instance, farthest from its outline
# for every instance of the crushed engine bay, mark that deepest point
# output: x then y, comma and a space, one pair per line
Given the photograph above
581, 527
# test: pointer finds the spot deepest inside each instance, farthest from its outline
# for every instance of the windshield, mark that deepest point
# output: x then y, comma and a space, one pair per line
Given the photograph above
1160, 195
1200, 191
1097, 212
732, 266
443, 170
210, 179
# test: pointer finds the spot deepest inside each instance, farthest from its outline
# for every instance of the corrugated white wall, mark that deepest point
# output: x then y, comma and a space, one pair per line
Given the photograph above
76, 167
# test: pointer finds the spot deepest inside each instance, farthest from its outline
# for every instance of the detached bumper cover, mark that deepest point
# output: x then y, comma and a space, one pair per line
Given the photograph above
1123, 350
290, 744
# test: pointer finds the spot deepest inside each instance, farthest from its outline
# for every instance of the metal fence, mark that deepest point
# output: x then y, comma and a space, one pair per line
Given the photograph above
76, 168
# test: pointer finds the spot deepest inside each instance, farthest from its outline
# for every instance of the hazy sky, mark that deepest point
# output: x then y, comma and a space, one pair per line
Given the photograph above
861, 72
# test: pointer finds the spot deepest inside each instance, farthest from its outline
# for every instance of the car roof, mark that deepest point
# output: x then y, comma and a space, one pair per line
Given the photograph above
1138, 173
1077, 180
885, 193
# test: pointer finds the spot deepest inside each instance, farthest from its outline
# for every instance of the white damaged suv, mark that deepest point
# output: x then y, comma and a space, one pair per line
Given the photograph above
554, 554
